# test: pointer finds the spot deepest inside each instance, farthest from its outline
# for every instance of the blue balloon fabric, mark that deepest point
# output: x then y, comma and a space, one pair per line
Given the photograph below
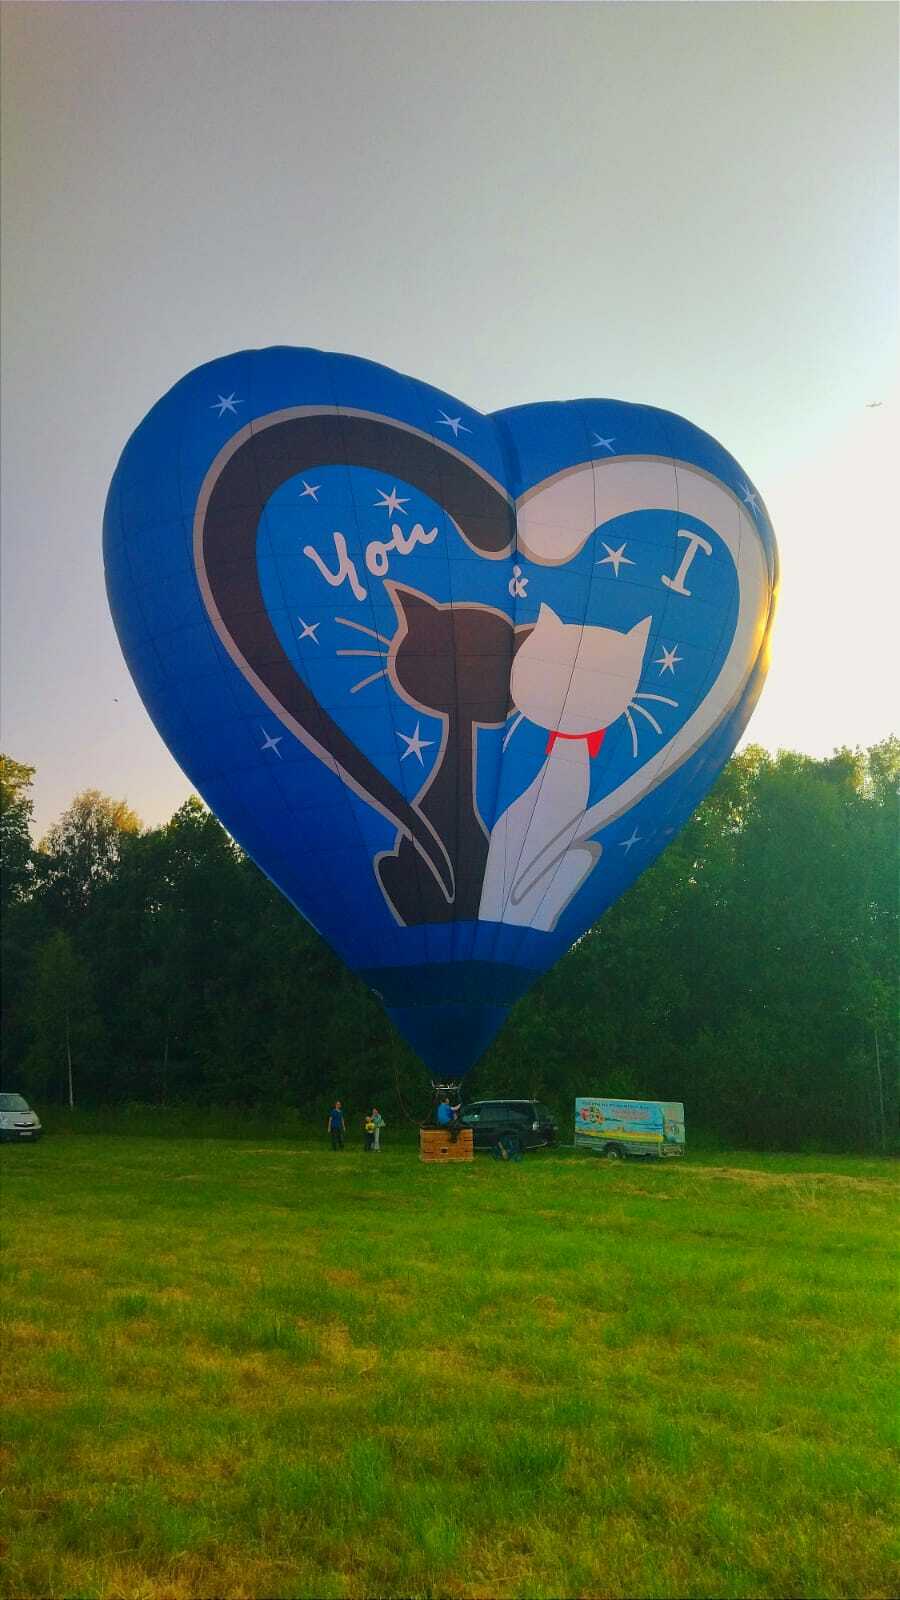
453, 680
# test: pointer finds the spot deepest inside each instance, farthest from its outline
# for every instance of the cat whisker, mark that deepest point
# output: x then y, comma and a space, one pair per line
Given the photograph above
663, 697
361, 628
634, 738
512, 730
371, 679
379, 653
640, 709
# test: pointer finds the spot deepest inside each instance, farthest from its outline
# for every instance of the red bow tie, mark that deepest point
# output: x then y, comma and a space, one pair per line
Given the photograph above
594, 740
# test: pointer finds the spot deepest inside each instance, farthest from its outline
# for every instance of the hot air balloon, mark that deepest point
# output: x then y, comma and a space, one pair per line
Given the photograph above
452, 680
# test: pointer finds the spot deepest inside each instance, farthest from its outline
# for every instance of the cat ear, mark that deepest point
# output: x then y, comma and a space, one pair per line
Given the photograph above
547, 617
403, 598
640, 630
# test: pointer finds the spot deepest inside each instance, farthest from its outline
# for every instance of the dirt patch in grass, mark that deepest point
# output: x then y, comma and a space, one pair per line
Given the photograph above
338, 1348
38, 1397
263, 1381
785, 1180
547, 1311
29, 1334
440, 1362
136, 1331
273, 1150
392, 1295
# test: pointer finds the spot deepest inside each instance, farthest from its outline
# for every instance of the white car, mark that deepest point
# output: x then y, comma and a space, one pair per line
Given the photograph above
17, 1120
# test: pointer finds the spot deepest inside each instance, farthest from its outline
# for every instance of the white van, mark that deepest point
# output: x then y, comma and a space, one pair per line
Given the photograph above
620, 1128
17, 1120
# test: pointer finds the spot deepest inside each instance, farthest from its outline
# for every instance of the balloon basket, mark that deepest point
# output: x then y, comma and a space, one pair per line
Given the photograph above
435, 1144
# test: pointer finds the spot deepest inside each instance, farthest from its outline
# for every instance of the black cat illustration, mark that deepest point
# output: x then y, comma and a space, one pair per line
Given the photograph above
453, 662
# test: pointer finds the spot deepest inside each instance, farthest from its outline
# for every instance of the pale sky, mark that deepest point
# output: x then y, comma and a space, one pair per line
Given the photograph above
689, 205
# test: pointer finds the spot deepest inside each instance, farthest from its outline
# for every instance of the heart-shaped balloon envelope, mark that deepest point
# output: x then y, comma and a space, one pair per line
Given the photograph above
452, 680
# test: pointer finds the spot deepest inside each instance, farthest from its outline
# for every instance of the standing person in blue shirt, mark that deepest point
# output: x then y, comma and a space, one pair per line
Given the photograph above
336, 1126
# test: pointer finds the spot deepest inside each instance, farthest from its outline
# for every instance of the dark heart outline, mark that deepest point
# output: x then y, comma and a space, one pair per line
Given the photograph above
254, 463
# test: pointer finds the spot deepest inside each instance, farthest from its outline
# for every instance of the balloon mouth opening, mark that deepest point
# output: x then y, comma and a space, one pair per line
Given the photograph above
449, 1011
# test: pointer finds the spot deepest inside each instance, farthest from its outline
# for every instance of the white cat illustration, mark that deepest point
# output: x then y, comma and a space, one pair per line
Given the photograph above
574, 681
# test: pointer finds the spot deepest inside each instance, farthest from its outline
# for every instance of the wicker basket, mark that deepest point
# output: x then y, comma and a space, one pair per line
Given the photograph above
435, 1144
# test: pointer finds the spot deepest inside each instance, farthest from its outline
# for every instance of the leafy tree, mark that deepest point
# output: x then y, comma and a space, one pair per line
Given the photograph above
15, 836
66, 1029
82, 851
21, 919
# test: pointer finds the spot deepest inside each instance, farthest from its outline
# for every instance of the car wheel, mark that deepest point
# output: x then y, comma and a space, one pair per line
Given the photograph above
614, 1152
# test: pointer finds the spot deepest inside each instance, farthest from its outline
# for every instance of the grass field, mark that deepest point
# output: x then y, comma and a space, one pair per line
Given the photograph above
262, 1369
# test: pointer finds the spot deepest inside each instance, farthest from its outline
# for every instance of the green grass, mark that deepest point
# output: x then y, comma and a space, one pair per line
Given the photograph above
245, 1370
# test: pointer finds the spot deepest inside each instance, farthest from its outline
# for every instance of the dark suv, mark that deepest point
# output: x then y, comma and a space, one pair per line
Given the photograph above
523, 1123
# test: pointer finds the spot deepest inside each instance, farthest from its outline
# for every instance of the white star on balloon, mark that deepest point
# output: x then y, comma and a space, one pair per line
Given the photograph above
271, 744
309, 630
749, 497
414, 745
456, 423
392, 502
226, 402
625, 844
668, 661
311, 490
606, 444
615, 558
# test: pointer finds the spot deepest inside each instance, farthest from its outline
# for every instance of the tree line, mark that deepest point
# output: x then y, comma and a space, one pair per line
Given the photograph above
751, 972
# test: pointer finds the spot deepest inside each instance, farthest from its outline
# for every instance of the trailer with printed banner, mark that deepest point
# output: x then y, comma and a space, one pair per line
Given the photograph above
621, 1128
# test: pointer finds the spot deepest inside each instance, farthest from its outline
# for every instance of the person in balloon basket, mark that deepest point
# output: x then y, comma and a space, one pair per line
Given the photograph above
336, 1126
448, 1118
